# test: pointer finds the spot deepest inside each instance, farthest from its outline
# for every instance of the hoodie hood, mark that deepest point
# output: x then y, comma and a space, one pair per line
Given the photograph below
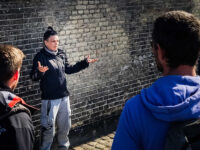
173, 98
10, 103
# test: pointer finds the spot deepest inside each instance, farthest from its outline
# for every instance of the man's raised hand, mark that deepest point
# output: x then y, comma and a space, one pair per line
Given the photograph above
91, 60
42, 68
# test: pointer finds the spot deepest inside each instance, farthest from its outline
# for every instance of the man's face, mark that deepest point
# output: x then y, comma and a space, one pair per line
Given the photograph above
158, 63
52, 43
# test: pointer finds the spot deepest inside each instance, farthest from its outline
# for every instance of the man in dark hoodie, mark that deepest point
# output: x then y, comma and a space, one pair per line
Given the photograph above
49, 67
146, 117
16, 128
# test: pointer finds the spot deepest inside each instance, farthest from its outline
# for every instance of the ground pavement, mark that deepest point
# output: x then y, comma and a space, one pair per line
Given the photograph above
101, 143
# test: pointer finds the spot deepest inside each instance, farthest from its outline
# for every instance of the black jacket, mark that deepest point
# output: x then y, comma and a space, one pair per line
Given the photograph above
16, 128
53, 82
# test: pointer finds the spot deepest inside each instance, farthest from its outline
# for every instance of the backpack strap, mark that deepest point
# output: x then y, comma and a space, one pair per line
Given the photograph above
183, 135
191, 130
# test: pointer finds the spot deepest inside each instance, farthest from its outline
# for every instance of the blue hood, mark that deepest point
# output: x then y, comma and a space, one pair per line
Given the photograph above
173, 98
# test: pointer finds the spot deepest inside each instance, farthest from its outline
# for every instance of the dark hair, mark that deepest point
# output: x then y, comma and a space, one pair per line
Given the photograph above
10, 61
49, 32
178, 34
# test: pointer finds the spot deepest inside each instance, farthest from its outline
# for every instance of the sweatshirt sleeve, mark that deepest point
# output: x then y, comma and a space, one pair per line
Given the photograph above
35, 73
125, 137
80, 65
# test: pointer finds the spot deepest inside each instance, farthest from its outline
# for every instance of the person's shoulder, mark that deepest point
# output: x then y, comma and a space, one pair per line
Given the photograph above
40, 52
133, 103
61, 52
133, 100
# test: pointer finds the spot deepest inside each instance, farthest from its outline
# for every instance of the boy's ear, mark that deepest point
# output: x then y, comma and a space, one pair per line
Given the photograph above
161, 53
16, 75
45, 42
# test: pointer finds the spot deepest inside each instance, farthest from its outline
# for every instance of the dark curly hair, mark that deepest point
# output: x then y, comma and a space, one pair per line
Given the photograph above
178, 34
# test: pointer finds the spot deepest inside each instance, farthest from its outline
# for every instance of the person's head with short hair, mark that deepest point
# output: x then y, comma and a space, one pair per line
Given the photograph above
51, 39
177, 33
11, 59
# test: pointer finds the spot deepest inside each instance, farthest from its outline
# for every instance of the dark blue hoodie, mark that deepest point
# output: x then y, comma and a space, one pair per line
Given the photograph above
145, 118
53, 83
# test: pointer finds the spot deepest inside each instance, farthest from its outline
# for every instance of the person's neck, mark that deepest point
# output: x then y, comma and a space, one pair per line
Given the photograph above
9, 84
183, 70
54, 52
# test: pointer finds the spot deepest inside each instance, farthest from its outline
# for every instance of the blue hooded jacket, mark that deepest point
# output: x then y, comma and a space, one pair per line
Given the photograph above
145, 118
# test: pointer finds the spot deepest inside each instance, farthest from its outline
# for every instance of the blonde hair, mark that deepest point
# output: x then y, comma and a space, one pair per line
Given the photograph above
11, 59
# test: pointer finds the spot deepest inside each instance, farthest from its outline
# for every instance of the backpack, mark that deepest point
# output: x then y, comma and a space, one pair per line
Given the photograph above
183, 135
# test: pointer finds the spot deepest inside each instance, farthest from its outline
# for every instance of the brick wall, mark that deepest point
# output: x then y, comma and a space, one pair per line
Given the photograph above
116, 32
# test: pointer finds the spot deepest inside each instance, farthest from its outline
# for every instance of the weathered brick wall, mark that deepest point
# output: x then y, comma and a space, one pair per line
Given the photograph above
116, 32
